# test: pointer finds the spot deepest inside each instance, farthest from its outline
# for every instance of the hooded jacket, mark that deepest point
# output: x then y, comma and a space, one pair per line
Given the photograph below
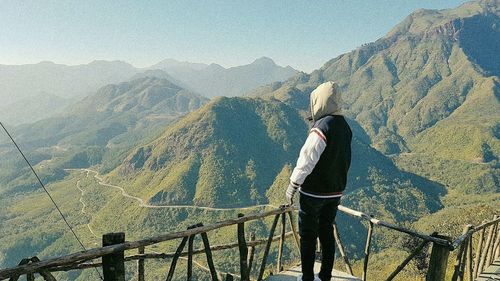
325, 157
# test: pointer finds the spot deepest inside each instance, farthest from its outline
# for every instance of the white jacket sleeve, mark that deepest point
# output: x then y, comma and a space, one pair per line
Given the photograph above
309, 155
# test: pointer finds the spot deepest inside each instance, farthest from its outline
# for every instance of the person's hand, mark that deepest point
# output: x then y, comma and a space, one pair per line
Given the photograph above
290, 192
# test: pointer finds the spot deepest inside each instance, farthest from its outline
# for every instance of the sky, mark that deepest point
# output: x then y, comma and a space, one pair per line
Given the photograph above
302, 34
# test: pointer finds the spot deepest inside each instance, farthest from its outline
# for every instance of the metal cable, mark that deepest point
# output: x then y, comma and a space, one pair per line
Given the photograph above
48, 193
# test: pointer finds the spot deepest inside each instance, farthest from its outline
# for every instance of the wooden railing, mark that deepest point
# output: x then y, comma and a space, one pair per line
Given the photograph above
114, 247
487, 249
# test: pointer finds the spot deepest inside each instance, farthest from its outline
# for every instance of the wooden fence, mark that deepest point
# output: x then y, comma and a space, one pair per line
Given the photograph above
113, 256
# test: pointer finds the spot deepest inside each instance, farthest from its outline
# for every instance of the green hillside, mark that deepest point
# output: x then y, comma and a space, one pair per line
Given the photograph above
99, 129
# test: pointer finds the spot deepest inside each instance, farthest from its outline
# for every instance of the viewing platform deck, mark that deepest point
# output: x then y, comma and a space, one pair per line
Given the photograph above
293, 273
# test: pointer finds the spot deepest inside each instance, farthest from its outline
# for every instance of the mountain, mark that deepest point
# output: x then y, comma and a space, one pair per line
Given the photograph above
34, 108
214, 80
231, 151
46, 87
99, 128
427, 92
65, 81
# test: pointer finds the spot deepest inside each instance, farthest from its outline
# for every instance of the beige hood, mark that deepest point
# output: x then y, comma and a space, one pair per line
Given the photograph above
325, 100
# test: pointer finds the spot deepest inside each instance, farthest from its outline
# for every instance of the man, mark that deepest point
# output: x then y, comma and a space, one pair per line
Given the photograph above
320, 176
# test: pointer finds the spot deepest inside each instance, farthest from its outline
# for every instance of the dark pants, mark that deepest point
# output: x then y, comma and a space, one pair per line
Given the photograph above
316, 217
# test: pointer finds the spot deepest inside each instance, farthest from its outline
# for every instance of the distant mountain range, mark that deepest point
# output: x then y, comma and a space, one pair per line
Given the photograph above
56, 85
214, 80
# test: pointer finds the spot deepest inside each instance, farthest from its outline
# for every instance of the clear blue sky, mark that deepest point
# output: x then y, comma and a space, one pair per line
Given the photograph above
303, 34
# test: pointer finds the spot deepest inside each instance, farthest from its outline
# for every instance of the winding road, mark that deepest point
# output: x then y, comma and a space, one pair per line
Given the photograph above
141, 202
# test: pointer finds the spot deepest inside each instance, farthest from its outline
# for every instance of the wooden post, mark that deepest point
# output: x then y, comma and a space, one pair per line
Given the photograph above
438, 261
490, 257
460, 253
22, 262
113, 265
268, 245
243, 249
294, 231
251, 254
367, 250
208, 253
47, 276
279, 265
177, 254
190, 258
469, 260
341, 249
486, 248
496, 248
140, 265
478, 253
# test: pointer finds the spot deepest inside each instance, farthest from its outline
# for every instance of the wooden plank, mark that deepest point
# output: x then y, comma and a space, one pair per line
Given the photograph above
293, 273
113, 265
491, 273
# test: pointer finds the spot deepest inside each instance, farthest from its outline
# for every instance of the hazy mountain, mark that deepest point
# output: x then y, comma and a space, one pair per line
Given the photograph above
44, 86
32, 109
66, 81
215, 80
99, 128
